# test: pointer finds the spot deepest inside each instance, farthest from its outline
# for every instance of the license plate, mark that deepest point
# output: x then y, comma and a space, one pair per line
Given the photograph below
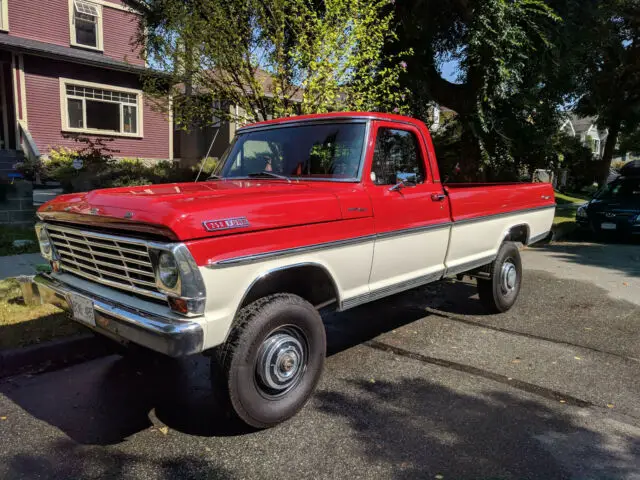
82, 309
608, 226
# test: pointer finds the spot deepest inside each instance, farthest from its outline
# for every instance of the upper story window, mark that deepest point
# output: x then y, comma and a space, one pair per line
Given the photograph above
86, 24
101, 109
397, 158
4, 15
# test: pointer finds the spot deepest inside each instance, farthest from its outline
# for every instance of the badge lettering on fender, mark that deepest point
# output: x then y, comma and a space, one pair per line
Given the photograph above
225, 224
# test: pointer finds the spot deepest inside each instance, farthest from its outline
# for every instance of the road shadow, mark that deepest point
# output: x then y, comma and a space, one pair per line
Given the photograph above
425, 429
67, 460
105, 401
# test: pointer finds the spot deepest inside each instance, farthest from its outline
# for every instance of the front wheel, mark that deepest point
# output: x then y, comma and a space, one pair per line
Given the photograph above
500, 292
272, 360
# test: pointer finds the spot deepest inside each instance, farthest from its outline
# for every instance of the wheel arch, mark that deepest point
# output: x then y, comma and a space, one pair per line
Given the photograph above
311, 281
520, 232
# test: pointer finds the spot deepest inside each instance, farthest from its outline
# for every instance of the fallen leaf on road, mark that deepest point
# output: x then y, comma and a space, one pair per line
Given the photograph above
517, 360
371, 380
625, 284
3, 418
610, 405
164, 430
563, 401
588, 328
439, 477
577, 358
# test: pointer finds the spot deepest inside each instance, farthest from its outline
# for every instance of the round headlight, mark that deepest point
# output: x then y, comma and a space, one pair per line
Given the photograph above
168, 270
581, 212
45, 242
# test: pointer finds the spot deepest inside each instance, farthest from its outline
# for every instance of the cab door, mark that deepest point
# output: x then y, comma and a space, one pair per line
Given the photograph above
411, 212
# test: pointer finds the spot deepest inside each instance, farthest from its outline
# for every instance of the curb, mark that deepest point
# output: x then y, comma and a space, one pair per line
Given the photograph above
52, 355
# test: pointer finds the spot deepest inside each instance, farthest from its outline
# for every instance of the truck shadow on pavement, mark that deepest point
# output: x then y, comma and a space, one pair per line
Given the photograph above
65, 459
419, 426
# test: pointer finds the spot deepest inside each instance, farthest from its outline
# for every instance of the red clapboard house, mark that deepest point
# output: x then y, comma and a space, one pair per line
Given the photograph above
71, 67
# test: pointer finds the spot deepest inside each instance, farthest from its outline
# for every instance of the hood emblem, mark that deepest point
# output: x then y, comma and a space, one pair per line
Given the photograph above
94, 211
128, 215
225, 224
609, 215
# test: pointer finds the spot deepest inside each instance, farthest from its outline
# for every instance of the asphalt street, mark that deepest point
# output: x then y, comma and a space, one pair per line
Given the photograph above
421, 385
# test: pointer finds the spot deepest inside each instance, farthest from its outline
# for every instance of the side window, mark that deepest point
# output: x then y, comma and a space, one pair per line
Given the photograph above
397, 158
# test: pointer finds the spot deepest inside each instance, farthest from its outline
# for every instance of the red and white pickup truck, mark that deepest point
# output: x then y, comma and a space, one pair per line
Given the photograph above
306, 212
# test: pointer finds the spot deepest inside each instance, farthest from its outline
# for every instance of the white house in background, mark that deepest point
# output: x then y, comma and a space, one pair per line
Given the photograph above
438, 116
587, 130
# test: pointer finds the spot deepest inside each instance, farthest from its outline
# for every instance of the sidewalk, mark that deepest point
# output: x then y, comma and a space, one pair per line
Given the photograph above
14, 265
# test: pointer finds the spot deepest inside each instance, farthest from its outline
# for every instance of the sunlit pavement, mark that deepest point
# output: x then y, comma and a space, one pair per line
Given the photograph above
423, 385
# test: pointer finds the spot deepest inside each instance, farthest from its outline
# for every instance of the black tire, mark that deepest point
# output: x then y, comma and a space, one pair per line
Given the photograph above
499, 294
262, 331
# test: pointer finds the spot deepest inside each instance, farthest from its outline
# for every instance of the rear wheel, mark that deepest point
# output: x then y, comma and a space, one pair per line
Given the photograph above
272, 360
500, 292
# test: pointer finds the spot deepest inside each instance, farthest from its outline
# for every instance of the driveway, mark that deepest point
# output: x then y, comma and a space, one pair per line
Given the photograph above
422, 385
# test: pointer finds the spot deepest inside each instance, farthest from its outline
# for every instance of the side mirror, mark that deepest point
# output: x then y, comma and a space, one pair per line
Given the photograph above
405, 180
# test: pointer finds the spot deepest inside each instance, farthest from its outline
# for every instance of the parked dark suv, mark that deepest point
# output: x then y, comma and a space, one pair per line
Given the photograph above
615, 208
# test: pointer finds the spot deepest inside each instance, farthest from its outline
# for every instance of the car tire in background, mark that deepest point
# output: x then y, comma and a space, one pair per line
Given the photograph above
499, 293
272, 360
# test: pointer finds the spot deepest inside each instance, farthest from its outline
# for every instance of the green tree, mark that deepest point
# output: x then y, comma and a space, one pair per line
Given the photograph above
504, 51
609, 82
271, 57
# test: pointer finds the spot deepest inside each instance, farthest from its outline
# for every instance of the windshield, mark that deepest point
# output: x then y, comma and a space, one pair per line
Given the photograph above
322, 151
622, 189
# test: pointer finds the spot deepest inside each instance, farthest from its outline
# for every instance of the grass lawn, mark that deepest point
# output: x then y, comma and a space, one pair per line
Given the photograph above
564, 199
8, 234
564, 217
22, 325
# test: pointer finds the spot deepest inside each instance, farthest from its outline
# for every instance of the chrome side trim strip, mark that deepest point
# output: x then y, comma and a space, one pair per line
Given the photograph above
465, 267
352, 241
498, 215
538, 238
410, 231
390, 290
289, 251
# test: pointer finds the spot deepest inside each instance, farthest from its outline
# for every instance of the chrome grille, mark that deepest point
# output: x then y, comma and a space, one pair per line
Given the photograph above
118, 262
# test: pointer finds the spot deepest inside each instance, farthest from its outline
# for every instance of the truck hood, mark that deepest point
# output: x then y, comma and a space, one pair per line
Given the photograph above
180, 211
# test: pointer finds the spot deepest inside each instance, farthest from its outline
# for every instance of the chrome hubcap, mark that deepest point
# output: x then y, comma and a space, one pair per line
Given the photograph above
281, 361
508, 277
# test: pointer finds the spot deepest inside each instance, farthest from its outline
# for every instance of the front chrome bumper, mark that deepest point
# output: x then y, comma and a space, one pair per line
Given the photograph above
171, 336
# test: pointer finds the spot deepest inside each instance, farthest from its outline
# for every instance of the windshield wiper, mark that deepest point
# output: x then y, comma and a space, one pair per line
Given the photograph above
269, 174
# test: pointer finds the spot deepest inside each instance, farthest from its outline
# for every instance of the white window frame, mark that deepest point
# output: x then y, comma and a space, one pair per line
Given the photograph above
4, 18
72, 26
64, 82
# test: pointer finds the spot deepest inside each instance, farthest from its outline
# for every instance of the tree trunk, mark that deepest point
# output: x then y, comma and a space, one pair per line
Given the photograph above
609, 148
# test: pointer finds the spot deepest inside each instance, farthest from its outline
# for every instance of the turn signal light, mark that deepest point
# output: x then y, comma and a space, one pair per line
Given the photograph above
178, 305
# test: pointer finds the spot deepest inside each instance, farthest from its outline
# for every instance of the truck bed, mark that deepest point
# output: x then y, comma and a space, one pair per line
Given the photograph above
475, 200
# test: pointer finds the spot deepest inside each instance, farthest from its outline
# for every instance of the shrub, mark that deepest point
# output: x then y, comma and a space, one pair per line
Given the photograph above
101, 170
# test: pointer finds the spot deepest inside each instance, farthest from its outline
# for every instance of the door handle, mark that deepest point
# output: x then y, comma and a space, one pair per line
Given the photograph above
438, 197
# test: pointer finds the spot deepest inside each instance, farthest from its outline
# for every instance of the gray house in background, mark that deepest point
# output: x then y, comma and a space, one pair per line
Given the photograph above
193, 145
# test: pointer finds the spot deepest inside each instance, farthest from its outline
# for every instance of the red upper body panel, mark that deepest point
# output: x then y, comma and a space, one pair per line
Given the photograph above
281, 214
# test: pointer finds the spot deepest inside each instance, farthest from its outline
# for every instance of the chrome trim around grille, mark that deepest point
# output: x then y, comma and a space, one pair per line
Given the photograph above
117, 262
